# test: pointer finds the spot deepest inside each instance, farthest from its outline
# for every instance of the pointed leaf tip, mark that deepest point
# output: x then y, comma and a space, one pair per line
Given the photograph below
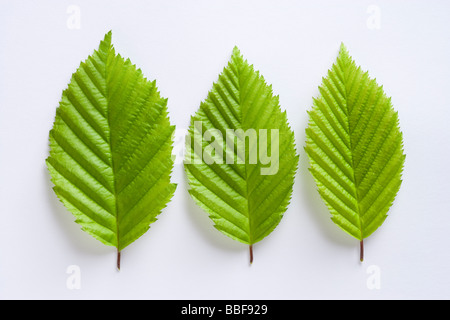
108, 36
343, 51
236, 54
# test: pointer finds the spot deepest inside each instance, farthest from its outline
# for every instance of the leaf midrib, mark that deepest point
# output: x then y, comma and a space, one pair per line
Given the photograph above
246, 168
357, 197
113, 167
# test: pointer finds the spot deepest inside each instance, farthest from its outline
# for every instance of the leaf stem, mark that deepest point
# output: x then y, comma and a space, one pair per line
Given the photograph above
251, 253
118, 260
361, 250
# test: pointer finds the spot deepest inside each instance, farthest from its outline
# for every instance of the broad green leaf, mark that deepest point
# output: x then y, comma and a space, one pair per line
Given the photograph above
111, 149
355, 148
240, 155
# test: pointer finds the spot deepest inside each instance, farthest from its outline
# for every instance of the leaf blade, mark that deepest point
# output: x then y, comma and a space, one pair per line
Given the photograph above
110, 145
228, 186
355, 148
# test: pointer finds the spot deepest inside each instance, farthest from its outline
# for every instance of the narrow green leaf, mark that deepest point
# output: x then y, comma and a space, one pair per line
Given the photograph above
111, 149
355, 148
240, 155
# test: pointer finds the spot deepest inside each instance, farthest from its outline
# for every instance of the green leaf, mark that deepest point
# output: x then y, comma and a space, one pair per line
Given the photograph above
355, 148
240, 156
111, 149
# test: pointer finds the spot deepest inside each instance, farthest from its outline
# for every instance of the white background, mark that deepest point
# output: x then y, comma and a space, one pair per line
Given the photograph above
184, 45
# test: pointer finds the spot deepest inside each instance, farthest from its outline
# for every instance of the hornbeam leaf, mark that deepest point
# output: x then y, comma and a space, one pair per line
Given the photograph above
355, 148
240, 155
111, 149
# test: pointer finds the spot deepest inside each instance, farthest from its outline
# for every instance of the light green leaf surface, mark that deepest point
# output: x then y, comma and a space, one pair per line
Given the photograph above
245, 188
111, 149
355, 148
